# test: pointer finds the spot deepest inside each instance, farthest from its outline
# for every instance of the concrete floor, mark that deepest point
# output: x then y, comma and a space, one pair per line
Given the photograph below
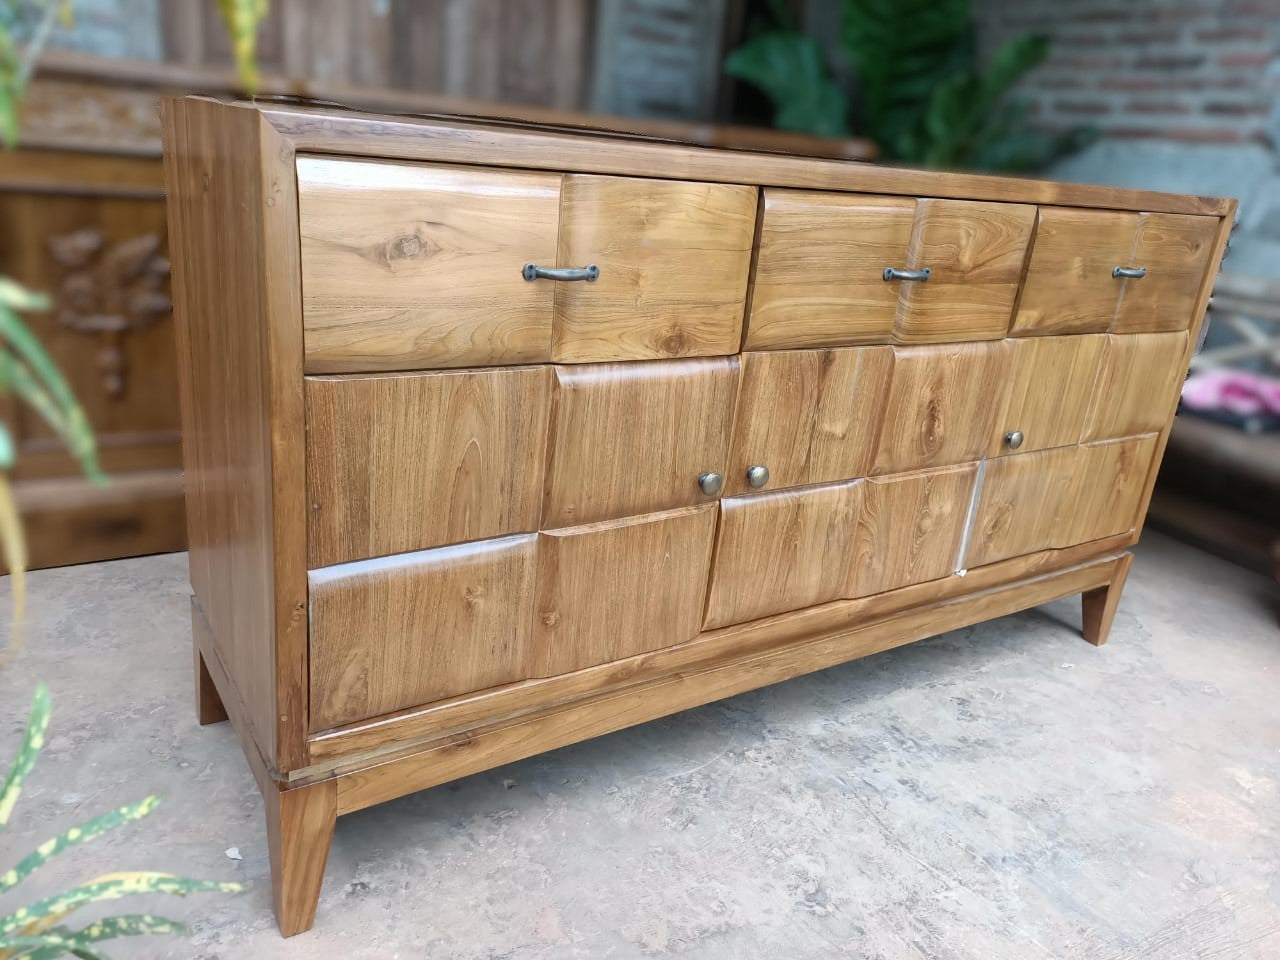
1004, 791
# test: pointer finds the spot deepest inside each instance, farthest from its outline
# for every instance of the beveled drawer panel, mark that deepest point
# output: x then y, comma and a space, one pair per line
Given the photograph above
1052, 385
1138, 384
419, 265
401, 631
399, 462
1173, 250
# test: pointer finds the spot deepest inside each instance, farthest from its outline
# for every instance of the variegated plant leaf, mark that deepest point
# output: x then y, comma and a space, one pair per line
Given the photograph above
242, 18
13, 548
60, 940
32, 742
17, 297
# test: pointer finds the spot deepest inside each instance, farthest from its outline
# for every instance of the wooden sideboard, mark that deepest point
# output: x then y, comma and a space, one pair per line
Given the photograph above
498, 438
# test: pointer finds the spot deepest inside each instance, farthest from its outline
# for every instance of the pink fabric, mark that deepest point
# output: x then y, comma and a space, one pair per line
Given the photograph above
1236, 391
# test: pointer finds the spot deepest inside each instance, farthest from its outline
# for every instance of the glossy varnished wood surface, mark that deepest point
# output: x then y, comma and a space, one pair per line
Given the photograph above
618, 588
401, 462
819, 278
1174, 250
1138, 384
810, 416
633, 438
1050, 391
673, 259
399, 631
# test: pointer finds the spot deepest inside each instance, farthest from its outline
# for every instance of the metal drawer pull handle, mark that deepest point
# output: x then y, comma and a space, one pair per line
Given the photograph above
757, 476
1129, 273
589, 273
710, 483
1014, 439
892, 274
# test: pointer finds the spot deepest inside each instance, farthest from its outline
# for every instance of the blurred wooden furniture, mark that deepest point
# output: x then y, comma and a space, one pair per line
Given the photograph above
501, 438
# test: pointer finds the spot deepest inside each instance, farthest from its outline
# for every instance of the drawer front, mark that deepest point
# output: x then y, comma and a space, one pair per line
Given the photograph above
808, 416
402, 631
1139, 380
942, 406
910, 528
612, 590
415, 265
1052, 385
1069, 286
819, 278
401, 462
782, 551
1110, 479
1174, 250
674, 258
634, 438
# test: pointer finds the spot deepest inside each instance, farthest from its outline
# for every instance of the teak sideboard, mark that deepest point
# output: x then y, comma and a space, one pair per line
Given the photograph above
499, 438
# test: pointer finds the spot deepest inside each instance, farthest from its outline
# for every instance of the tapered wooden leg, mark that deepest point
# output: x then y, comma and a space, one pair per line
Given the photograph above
209, 708
1099, 606
299, 830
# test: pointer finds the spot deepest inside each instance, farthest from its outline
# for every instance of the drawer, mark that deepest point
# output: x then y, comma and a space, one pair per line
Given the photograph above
1052, 385
673, 256
400, 462
620, 588
401, 631
634, 438
1174, 250
820, 275
782, 551
415, 265
808, 416
1139, 380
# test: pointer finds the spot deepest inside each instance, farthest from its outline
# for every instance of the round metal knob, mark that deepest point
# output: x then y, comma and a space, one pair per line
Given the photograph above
710, 483
757, 476
1014, 439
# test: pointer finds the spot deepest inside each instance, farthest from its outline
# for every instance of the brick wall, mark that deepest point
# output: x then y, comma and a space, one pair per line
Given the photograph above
1193, 71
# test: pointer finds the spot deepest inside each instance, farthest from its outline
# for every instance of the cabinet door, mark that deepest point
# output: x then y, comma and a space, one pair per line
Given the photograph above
819, 278
400, 462
1138, 383
616, 589
1024, 505
633, 438
975, 252
401, 631
673, 257
943, 402
1174, 250
808, 416
782, 551
1051, 387
1110, 478
1069, 287
416, 265
910, 529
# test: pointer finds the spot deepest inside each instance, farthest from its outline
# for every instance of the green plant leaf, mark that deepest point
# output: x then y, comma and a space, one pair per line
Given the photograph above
73, 837
32, 742
242, 18
788, 67
56, 942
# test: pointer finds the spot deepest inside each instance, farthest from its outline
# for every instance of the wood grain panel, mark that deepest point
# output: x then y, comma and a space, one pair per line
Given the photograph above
1068, 287
819, 278
909, 529
673, 258
1109, 480
633, 438
1051, 388
402, 462
976, 252
782, 551
1138, 384
1024, 506
1175, 252
415, 265
810, 416
405, 630
942, 406
615, 589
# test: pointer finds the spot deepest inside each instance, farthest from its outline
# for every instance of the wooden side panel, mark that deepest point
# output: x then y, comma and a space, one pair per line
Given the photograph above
233, 235
810, 416
615, 589
1068, 287
1175, 251
1051, 388
1138, 383
1025, 505
910, 528
1109, 479
402, 462
782, 551
943, 403
633, 438
819, 279
673, 257
976, 252
418, 265
401, 631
